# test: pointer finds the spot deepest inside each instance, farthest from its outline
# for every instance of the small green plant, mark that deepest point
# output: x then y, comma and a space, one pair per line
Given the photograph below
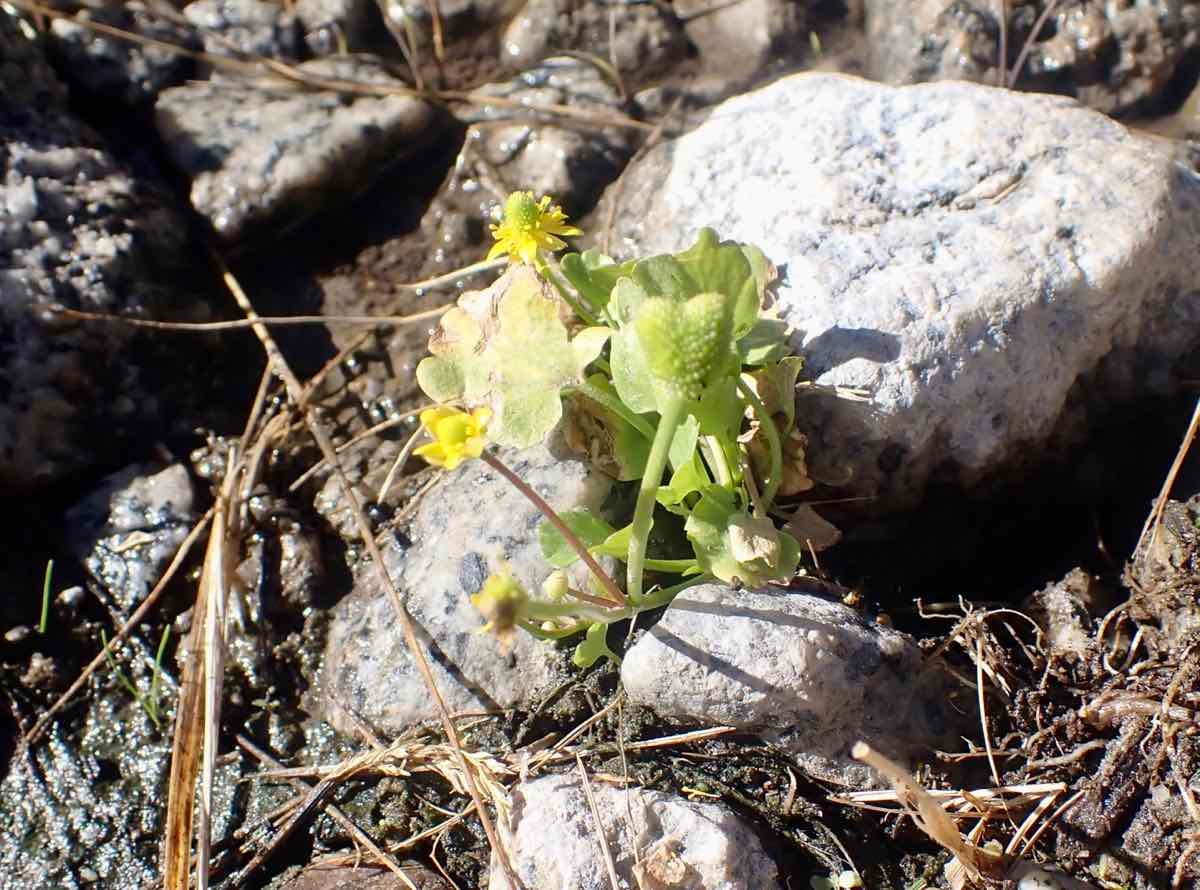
149, 701
671, 371
44, 621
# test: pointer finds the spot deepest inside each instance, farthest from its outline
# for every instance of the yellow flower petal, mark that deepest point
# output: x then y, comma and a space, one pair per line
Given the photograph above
528, 227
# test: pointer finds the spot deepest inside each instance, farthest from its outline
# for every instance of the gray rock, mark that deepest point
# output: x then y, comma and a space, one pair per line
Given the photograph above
812, 675
541, 153
931, 40
76, 230
127, 530
977, 261
120, 70
647, 39
1116, 57
471, 524
460, 18
552, 838
329, 22
740, 40
261, 155
247, 27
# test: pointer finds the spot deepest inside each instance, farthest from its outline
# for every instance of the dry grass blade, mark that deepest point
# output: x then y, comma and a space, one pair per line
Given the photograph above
602, 838
1160, 503
217, 577
189, 747
296, 392
39, 727
928, 815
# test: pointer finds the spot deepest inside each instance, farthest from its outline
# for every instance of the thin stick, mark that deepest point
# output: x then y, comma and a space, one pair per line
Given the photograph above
295, 391
39, 727
1015, 74
292, 74
380, 427
987, 736
606, 581
609, 866
278, 321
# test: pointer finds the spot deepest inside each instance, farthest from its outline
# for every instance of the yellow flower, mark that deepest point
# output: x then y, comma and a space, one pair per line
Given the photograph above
529, 226
501, 600
457, 435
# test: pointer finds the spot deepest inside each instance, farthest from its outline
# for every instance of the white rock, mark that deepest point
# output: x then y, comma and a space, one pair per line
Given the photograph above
812, 675
472, 524
976, 260
554, 844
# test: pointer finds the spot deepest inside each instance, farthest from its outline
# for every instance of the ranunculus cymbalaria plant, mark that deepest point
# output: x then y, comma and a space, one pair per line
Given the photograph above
668, 371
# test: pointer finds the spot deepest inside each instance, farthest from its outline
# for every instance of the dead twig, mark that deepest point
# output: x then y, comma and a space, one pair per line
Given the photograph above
296, 392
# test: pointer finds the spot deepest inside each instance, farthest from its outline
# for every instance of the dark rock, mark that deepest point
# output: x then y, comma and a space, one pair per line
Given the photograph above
121, 70
263, 155
77, 230
127, 530
1119, 58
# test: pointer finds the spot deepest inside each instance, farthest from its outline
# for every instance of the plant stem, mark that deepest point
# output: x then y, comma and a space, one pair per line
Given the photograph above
550, 275
716, 456
614, 404
606, 581
671, 415
767, 425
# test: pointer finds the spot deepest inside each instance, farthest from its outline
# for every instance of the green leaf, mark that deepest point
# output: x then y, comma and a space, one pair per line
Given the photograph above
766, 341
594, 647
593, 274
719, 410
683, 444
507, 347
630, 375
735, 547
687, 479
589, 528
617, 544
710, 265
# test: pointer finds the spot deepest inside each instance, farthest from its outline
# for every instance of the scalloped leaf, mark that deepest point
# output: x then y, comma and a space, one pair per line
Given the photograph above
738, 271
735, 547
507, 347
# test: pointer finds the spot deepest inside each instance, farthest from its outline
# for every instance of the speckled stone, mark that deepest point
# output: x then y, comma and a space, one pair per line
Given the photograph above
77, 230
988, 267
646, 37
809, 674
552, 839
120, 70
1119, 58
248, 27
128, 529
263, 155
471, 524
